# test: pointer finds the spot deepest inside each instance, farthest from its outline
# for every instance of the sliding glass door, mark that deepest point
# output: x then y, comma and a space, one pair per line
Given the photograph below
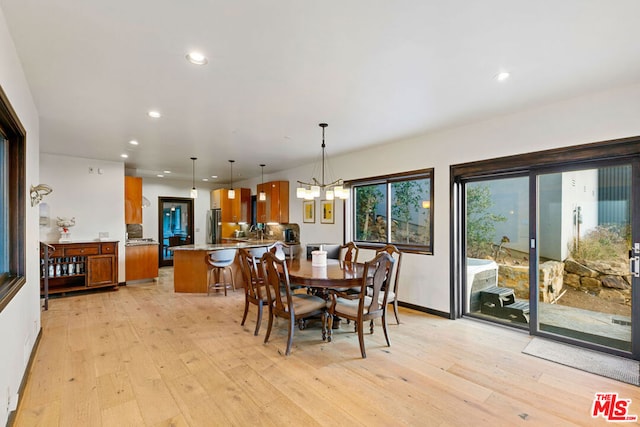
549, 242
497, 249
584, 234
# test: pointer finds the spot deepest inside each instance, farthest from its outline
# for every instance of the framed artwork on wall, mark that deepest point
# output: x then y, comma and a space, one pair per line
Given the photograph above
326, 210
309, 211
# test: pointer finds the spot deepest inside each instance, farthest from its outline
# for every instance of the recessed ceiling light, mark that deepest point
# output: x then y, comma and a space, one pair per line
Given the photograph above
214, 176
503, 75
160, 175
133, 142
124, 156
154, 114
205, 179
196, 58
166, 171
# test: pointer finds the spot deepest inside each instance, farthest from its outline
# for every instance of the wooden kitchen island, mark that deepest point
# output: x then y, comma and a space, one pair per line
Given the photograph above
190, 266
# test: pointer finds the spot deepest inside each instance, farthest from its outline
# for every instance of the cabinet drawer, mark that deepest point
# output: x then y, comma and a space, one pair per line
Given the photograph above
87, 250
108, 248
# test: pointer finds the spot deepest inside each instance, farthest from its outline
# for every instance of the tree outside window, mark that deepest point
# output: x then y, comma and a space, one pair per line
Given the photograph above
394, 209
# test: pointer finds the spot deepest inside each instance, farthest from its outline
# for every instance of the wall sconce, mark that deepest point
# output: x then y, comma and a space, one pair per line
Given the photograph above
38, 192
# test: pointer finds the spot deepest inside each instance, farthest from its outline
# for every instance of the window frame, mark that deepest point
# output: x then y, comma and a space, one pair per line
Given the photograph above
14, 133
388, 180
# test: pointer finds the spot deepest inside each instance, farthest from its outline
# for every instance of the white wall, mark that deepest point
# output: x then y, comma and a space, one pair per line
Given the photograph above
95, 199
20, 320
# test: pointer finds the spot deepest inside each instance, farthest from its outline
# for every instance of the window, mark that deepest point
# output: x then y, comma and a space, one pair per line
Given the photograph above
394, 209
12, 203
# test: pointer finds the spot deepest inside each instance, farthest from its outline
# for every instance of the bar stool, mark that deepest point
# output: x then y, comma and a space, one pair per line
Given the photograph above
219, 262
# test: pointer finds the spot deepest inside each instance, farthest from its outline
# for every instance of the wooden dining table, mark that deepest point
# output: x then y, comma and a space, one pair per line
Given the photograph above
336, 274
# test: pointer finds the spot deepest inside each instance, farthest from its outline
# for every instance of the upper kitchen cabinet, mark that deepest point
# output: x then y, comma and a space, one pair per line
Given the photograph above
132, 200
232, 210
276, 207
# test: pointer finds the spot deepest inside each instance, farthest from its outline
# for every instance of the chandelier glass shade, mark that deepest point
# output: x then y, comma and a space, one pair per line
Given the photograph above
314, 188
194, 191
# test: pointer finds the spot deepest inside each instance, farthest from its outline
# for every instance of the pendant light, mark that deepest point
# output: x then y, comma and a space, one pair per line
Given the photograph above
262, 196
232, 193
194, 192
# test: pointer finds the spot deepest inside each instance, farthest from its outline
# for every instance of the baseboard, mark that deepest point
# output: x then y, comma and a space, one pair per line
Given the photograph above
25, 377
424, 309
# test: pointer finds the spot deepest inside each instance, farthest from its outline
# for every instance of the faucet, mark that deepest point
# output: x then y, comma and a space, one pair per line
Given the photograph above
258, 230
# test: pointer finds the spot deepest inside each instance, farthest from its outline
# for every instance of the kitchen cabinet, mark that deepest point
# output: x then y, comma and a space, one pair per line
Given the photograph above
132, 200
276, 207
79, 266
235, 210
141, 262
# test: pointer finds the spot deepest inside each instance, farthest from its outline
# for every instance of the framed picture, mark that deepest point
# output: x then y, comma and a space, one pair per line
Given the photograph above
326, 209
309, 211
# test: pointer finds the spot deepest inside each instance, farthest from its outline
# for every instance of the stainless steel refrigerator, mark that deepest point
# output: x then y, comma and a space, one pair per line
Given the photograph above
214, 226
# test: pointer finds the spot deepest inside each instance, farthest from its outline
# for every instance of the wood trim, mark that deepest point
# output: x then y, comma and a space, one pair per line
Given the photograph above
12, 129
603, 150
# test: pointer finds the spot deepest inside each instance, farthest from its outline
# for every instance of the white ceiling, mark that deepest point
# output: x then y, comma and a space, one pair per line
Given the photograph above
375, 70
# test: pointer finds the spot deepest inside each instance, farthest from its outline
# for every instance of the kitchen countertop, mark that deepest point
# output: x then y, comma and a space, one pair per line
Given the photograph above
140, 242
217, 246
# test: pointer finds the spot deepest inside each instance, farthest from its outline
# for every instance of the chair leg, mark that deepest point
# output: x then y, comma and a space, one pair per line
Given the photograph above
329, 326
395, 310
360, 327
324, 326
233, 282
266, 337
246, 310
224, 284
292, 324
259, 319
384, 327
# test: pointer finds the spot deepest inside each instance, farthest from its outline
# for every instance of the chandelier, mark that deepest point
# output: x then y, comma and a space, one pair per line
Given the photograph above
313, 189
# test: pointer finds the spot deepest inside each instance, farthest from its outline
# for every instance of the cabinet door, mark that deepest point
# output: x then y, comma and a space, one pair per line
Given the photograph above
261, 206
278, 202
101, 270
244, 214
132, 200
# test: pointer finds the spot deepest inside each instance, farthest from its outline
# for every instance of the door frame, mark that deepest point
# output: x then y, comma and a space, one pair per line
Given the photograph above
190, 218
573, 157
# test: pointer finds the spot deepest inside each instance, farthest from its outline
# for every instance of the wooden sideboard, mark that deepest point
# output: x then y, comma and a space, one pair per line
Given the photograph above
79, 266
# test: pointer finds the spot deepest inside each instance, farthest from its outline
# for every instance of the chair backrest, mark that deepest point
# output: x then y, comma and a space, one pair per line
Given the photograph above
222, 257
376, 275
278, 248
249, 265
395, 274
276, 277
348, 252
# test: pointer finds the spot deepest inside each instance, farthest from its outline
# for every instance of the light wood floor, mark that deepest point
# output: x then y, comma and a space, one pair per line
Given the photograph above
145, 356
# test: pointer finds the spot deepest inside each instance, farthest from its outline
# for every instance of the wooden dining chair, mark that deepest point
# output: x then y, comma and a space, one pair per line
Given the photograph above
349, 252
255, 291
281, 249
287, 305
365, 307
395, 276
